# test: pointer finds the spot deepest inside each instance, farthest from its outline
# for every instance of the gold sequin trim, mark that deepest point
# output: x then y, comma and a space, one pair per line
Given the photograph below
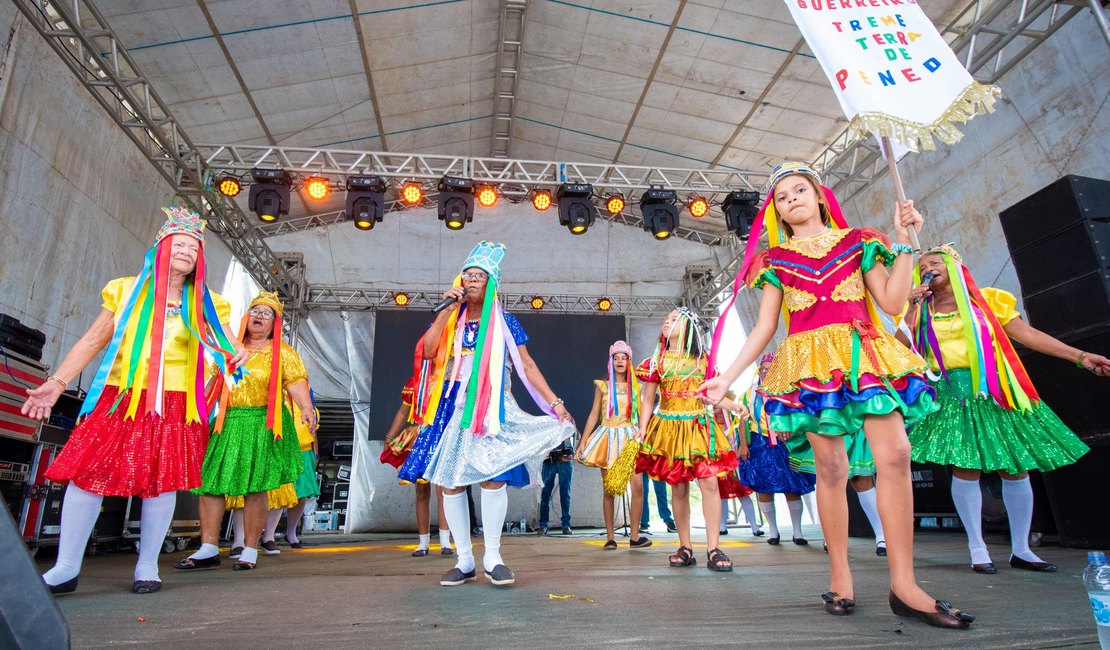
850, 290
815, 247
797, 299
826, 276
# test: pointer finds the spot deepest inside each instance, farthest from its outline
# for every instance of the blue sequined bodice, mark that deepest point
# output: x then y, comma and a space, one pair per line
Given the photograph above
470, 332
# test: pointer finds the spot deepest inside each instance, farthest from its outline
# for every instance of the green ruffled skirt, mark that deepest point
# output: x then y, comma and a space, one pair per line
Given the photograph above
245, 459
860, 460
974, 432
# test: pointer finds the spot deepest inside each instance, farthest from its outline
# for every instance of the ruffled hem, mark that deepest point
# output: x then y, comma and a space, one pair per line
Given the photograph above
730, 487
974, 432
307, 485
676, 471
976, 99
390, 457
843, 412
860, 460
276, 499
605, 445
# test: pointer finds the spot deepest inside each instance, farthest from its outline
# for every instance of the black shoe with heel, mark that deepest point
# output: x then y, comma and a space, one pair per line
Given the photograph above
836, 605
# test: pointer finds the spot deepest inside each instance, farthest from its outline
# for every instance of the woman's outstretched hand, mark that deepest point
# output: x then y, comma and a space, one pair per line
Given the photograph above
40, 400
712, 391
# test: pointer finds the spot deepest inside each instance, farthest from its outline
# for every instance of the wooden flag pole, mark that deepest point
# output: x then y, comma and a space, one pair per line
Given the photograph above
892, 165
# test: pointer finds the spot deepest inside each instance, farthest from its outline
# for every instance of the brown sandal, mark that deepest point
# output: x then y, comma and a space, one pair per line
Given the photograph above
683, 558
717, 559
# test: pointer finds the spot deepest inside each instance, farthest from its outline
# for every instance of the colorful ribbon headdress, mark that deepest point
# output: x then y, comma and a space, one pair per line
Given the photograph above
274, 398
484, 382
612, 406
140, 327
995, 367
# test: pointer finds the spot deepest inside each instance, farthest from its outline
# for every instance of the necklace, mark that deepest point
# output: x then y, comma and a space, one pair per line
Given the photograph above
470, 334
173, 310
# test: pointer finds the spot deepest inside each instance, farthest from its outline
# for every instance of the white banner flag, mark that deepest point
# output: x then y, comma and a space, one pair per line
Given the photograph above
894, 74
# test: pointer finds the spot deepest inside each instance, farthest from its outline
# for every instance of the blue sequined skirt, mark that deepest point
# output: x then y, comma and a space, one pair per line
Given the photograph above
767, 469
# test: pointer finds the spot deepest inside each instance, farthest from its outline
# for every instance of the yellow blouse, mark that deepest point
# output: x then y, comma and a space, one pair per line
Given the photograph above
304, 436
255, 388
115, 294
618, 420
950, 333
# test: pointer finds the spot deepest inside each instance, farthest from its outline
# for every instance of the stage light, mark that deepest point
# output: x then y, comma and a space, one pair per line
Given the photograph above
487, 196
614, 203
576, 209
230, 186
537, 302
318, 188
541, 200
740, 210
604, 304
411, 192
698, 205
455, 205
400, 298
365, 203
269, 195
659, 211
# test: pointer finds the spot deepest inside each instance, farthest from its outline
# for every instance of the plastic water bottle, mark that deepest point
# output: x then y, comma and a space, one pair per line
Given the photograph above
524, 526
1096, 577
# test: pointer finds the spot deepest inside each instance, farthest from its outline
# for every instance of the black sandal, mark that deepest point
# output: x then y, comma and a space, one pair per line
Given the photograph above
683, 558
242, 566
717, 559
420, 552
836, 605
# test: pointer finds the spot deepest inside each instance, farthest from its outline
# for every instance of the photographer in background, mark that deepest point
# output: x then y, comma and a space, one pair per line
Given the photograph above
558, 464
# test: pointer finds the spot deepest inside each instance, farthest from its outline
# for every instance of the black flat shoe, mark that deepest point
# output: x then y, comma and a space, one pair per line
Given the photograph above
67, 587
146, 586
987, 568
836, 605
447, 551
294, 545
880, 549
1042, 567
610, 545
243, 566
420, 552
773, 541
188, 564
639, 542
945, 615
501, 576
801, 541
758, 533
724, 532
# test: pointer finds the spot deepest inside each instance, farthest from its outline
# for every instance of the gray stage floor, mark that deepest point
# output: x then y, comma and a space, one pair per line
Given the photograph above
343, 591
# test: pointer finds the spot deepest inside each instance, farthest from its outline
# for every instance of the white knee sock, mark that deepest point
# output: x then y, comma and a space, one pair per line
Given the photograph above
272, 519
969, 505
80, 510
425, 541
796, 516
237, 534
1018, 497
205, 551
156, 518
457, 512
749, 513
444, 538
724, 515
250, 554
495, 503
292, 518
871, 509
768, 510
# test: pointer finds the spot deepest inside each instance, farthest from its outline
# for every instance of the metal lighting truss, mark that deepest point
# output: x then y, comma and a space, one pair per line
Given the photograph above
516, 179
81, 37
509, 49
335, 298
981, 36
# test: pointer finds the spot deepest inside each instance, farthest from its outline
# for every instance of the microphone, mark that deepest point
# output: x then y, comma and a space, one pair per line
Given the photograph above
925, 279
444, 304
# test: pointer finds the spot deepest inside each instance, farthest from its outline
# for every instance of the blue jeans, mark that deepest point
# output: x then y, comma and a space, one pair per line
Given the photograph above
660, 501
551, 471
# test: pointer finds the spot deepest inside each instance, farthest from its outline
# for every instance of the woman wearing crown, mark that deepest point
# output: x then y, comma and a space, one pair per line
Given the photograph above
144, 424
474, 432
838, 371
254, 446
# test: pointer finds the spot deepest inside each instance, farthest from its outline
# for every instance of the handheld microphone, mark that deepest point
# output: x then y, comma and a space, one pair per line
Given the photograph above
444, 304
925, 279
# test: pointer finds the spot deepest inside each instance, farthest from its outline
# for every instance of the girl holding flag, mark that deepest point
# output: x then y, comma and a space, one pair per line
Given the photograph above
991, 418
838, 371
616, 404
144, 423
474, 431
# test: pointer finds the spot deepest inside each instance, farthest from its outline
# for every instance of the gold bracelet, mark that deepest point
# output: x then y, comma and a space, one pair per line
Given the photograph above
64, 383
1079, 359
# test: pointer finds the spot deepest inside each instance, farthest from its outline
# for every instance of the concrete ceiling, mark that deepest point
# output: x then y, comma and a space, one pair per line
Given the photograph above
680, 83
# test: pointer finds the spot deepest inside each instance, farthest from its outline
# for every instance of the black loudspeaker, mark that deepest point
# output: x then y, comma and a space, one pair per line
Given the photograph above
1078, 496
1077, 396
1059, 240
29, 618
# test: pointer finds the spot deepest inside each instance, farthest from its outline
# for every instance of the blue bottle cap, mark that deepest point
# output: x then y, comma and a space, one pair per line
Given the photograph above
1096, 557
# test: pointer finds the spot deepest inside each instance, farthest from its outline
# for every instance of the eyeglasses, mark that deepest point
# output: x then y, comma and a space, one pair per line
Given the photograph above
262, 313
475, 276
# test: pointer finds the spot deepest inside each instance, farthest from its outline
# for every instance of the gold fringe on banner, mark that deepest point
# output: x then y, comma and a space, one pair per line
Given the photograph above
618, 476
976, 99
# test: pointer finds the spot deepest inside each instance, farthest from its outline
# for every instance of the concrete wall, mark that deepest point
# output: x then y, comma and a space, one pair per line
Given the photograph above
79, 203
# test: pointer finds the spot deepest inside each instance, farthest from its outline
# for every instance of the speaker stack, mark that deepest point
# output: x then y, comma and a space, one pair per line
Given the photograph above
1059, 241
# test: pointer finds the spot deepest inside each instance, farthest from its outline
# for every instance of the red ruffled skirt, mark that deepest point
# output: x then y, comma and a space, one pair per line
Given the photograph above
730, 487
113, 456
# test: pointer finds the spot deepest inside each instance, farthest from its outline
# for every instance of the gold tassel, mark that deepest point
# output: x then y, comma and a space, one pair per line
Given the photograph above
976, 99
618, 476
